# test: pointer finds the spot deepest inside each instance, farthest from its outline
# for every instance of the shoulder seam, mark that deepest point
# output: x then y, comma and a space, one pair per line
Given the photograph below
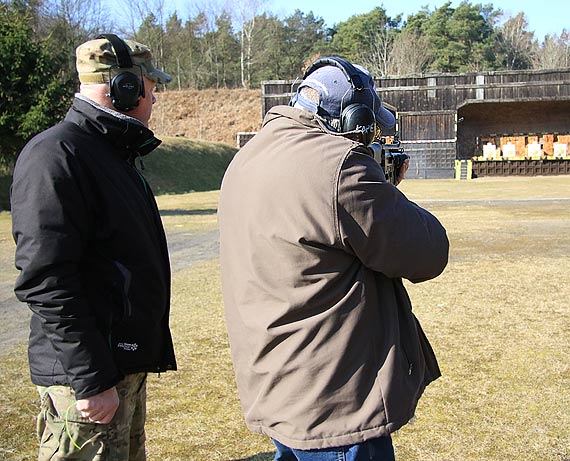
336, 186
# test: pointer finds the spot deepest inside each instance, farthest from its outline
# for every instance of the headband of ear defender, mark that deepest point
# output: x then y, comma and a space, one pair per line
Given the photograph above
125, 87
348, 69
355, 116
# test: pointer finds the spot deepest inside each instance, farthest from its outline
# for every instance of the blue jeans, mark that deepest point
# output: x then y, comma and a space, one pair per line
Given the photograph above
379, 449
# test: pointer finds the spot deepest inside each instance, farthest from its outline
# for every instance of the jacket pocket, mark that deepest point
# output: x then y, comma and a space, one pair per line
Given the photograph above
426, 355
432, 371
408, 332
123, 287
404, 374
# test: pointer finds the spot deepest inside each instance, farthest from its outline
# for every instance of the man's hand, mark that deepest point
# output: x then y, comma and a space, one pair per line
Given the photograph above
99, 408
403, 170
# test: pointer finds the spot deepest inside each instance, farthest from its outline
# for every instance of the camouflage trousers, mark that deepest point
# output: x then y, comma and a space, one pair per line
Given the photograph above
65, 435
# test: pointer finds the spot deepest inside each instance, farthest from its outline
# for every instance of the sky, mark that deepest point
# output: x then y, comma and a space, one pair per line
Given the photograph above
544, 17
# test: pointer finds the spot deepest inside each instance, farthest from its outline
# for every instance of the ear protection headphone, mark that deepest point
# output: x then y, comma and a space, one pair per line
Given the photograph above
125, 87
354, 117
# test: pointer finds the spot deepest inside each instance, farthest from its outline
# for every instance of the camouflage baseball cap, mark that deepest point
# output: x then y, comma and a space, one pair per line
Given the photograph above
96, 57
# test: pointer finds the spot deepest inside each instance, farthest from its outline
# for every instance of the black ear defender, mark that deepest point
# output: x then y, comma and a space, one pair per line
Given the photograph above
359, 117
125, 87
354, 117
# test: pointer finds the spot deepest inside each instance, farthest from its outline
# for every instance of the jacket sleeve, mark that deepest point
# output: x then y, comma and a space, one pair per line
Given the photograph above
52, 223
386, 231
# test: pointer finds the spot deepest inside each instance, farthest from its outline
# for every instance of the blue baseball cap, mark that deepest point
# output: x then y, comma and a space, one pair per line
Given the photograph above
336, 93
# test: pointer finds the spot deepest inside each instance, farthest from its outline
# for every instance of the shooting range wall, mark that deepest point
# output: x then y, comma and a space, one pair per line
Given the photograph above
485, 116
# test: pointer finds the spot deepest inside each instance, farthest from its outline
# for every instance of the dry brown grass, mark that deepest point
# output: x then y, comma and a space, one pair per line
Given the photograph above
498, 318
191, 213
215, 115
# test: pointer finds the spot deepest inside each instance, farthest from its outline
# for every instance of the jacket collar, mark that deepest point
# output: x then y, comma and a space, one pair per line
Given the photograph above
128, 134
300, 116
304, 117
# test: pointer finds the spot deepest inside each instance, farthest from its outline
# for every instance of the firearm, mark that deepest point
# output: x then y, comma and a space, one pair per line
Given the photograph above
390, 156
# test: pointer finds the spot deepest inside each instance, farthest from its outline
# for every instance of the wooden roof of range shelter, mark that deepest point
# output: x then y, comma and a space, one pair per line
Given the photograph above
432, 92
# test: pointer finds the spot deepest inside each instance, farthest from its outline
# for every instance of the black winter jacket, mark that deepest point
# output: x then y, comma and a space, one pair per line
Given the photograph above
92, 253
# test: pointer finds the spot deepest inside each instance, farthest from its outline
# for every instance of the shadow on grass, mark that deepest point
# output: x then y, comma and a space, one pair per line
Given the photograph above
267, 456
180, 212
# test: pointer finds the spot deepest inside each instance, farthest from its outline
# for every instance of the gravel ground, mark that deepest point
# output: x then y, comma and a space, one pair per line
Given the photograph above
184, 252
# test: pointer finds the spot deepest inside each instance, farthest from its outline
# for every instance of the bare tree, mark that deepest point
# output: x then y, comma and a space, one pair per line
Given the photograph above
516, 42
146, 22
82, 17
208, 10
134, 12
410, 54
68, 23
565, 45
245, 12
378, 55
553, 53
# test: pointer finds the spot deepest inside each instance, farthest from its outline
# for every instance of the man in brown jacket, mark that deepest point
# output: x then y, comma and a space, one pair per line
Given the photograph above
328, 356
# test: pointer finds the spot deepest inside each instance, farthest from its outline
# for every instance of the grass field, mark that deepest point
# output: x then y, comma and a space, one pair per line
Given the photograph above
498, 318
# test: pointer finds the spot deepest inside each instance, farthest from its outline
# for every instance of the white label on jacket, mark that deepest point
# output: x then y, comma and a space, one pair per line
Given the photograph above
128, 346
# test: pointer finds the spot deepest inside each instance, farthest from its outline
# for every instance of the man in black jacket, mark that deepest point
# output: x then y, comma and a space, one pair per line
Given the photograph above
93, 260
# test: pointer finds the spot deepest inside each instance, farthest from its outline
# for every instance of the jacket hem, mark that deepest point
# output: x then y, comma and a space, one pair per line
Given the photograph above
352, 438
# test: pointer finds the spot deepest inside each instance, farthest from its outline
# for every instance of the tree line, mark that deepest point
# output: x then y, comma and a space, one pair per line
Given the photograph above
241, 44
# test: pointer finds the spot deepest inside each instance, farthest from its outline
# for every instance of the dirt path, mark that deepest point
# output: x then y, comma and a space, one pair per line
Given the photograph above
184, 252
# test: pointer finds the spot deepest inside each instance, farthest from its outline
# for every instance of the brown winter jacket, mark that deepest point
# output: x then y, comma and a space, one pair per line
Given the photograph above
314, 243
